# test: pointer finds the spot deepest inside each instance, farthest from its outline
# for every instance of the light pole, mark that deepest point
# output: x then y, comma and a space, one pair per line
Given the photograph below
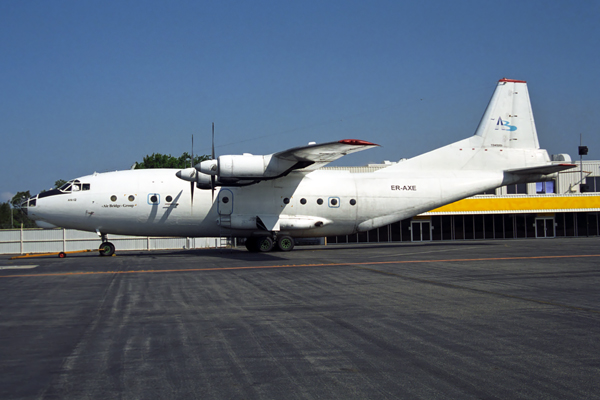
583, 150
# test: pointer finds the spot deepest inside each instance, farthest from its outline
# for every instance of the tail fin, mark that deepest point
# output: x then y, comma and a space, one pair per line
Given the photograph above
506, 138
508, 120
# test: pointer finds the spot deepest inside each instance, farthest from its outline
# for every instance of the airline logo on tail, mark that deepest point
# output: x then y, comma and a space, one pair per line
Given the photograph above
504, 125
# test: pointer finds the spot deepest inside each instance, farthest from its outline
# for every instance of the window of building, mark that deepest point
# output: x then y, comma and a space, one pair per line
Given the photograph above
519, 188
544, 187
593, 183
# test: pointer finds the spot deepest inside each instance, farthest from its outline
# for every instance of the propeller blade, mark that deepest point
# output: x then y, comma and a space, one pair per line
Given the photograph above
192, 183
212, 187
212, 177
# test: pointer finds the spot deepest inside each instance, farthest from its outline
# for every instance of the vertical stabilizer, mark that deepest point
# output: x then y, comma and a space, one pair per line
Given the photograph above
508, 120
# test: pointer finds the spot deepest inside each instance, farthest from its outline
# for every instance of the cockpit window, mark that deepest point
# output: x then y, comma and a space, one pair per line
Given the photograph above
30, 202
74, 186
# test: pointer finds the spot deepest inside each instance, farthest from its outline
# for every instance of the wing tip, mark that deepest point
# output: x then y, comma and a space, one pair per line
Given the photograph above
357, 142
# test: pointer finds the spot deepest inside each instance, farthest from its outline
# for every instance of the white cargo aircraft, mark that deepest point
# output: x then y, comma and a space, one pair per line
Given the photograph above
271, 199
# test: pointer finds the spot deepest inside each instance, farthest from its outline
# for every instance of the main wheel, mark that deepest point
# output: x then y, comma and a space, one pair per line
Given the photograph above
252, 244
107, 249
285, 243
265, 244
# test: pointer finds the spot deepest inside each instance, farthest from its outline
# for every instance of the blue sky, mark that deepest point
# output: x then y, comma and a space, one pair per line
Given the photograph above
96, 85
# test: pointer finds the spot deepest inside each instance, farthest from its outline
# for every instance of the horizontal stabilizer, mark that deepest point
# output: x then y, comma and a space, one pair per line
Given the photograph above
541, 170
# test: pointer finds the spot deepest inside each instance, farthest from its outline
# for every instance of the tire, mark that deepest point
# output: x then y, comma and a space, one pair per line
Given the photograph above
252, 245
107, 249
285, 243
265, 244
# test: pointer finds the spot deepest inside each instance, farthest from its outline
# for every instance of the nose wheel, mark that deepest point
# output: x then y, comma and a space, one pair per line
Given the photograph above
107, 249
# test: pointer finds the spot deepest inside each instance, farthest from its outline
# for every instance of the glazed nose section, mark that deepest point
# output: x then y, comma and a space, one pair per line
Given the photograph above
29, 203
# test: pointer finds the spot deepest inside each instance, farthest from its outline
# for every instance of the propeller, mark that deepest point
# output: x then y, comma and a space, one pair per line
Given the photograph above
192, 183
212, 154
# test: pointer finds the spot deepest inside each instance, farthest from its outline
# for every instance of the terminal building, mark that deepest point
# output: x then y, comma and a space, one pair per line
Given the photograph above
567, 206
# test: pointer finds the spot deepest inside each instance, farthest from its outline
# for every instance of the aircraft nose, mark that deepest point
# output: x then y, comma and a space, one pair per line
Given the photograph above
30, 202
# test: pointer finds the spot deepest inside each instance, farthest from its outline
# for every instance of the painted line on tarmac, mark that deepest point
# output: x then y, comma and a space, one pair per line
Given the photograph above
18, 266
300, 266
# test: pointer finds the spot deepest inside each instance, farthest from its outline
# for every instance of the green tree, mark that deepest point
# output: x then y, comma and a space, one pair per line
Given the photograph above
59, 183
19, 198
19, 216
5, 211
157, 160
12, 215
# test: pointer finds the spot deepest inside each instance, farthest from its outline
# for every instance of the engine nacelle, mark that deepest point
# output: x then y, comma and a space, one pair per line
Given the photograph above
203, 181
231, 168
209, 167
244, 166
192, 175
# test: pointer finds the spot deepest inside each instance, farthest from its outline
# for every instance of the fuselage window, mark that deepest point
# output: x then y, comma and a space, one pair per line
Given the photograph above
113, 198
352, 202
153, 199
225, 200
303, 201
334, 202
169, 199
131, 197
286, 201
319, 201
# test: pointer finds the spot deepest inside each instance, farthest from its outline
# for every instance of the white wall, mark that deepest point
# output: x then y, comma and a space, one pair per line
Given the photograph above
16, 241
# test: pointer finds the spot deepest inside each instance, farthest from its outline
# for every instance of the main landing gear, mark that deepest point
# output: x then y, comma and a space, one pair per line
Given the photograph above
106, 248
263, 244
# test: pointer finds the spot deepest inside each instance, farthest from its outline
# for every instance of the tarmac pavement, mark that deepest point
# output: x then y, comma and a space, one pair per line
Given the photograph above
516, 319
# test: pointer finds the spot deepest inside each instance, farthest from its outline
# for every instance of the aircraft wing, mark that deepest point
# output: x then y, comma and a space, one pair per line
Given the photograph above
241, 170
317, 155
541, 170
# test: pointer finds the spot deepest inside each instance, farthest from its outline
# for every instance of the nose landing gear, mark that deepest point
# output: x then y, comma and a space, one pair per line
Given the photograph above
106, 248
